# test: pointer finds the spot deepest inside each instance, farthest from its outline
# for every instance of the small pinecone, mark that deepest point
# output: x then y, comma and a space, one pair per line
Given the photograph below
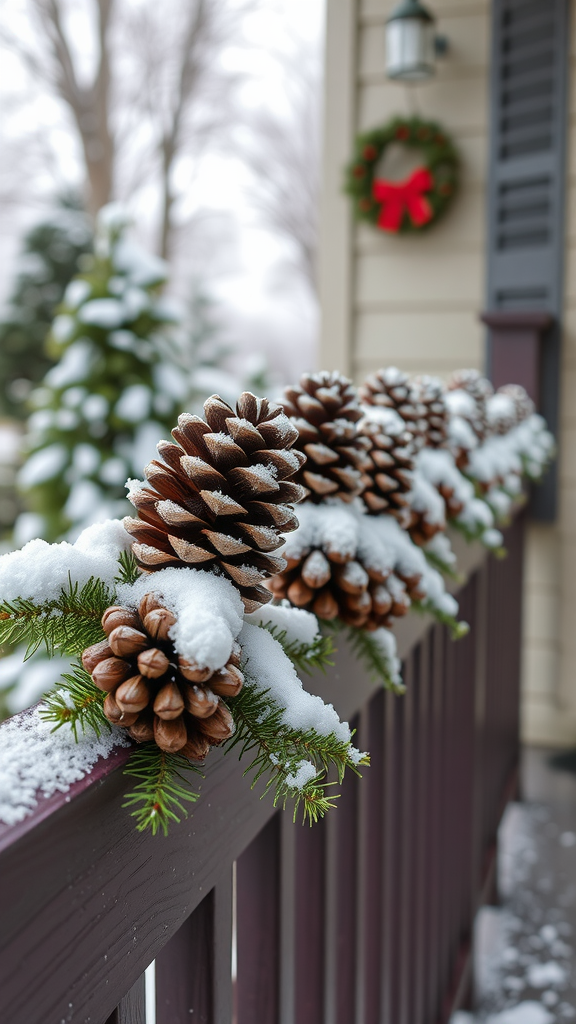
324, 409
391, 472
219, 499
430, 394
480, 389
522, 402
421, 530
333, 586
391, 388
155, 693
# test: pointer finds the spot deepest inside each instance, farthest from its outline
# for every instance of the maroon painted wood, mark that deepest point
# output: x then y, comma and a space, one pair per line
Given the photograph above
132, 1007
258, 927
365, 919
515, 348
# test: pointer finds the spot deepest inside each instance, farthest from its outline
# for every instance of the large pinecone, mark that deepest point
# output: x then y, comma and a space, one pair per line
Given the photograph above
430, 394
155, 693
324, 409
335, 586
219, 499
391, 388
391, 471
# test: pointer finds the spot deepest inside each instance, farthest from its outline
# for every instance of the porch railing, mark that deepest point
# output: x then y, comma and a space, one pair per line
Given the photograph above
364, 918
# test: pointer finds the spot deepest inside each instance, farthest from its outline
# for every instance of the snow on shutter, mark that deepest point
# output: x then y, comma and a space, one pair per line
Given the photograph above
526, 179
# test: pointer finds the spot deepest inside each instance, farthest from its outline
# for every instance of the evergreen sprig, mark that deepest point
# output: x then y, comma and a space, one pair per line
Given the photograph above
160, 795
279, 750
68, 623
128, 569
375, 659
76, 702
443, 567
305, 657
458, 628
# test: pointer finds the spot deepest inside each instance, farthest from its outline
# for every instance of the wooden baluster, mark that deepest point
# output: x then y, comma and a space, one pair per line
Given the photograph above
132, 1008
258, 927
309, 903
194, 969
341, 905
371, 882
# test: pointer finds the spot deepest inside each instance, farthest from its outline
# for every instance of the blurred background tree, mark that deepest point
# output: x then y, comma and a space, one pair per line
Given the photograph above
117, 388
48, 261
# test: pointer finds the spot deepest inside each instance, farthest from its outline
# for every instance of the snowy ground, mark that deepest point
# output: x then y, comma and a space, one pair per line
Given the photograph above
525, 949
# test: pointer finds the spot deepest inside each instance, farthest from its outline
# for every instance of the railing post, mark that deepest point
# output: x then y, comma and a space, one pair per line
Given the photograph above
132, 1008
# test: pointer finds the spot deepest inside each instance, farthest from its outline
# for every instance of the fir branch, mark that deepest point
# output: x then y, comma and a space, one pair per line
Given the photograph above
69, 623
305, 657
76, 702
374, 658
159, 797
279, 751
458, 629
128, 569
442, 567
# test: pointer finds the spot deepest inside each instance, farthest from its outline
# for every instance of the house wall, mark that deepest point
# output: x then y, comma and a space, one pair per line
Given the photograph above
413, 301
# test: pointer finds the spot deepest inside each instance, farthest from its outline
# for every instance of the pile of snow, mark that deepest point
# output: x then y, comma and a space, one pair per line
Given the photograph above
209, 611
376, 542
41, 571
36, 761
298, 625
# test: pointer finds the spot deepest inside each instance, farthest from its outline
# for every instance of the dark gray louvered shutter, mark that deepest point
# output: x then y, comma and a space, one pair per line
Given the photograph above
527, 181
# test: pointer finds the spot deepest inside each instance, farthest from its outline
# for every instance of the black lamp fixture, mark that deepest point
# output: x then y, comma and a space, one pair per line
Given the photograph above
411, 43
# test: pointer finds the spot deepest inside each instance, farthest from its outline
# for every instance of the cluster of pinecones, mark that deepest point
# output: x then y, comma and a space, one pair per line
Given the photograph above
220, 497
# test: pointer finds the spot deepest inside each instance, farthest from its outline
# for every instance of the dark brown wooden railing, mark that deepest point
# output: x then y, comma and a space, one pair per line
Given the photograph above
364, 919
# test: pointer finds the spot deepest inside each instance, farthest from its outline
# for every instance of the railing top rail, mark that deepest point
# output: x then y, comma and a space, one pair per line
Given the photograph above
100, 900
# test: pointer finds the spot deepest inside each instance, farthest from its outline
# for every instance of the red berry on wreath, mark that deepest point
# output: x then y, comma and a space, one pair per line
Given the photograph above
359, 171
440, 140
370, 153
402, 132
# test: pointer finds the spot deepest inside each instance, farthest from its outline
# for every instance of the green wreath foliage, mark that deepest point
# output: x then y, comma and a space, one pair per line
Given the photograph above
439, 157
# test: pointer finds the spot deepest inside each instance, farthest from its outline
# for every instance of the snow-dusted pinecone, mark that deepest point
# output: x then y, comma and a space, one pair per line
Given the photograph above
334, 586
430, 394
391, 471
155, 693
522, 402
480, 389
324, 409
220, 498
391, 388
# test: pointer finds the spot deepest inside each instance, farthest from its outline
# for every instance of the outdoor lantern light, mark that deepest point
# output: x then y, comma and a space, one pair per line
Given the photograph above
411, 44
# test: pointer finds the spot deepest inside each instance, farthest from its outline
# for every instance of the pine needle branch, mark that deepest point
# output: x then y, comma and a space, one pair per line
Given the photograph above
442, 567
160, 796
69, 623
76, 702
458, 629
281, 753
305, 657
375, 659
128, 570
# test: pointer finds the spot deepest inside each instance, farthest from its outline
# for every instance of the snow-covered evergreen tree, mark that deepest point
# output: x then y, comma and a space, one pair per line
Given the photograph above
48, 261
117, 389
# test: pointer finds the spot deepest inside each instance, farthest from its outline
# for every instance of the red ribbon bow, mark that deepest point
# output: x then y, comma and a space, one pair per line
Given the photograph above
408, 195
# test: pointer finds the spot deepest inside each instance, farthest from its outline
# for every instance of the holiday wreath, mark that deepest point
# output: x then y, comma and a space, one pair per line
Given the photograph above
420, 199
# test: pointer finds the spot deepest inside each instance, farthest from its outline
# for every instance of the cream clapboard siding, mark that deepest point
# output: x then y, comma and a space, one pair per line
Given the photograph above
414, 301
